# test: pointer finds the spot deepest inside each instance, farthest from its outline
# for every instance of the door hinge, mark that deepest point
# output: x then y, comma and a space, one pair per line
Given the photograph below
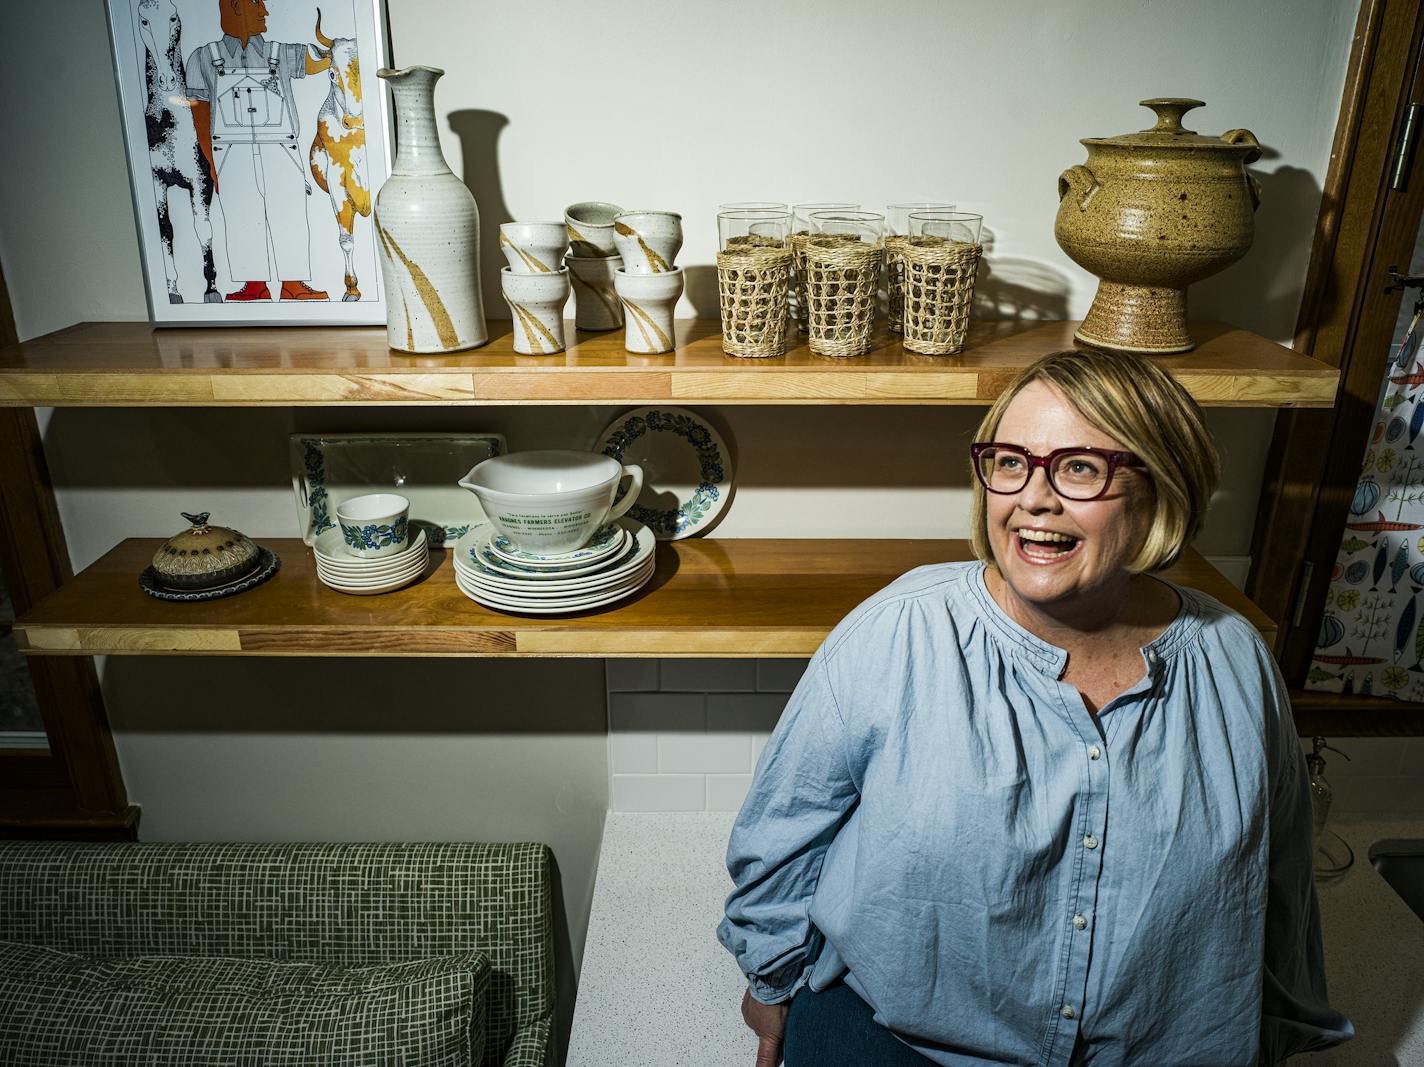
1307, 570
1404, 147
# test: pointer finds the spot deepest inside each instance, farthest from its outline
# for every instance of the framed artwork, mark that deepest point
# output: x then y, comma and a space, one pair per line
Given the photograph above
255, 157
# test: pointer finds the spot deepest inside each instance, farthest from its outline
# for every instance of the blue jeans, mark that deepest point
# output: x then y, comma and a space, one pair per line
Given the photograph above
835, 1026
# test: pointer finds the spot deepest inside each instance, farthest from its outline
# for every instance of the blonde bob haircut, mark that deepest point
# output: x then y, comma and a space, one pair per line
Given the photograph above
1147, 412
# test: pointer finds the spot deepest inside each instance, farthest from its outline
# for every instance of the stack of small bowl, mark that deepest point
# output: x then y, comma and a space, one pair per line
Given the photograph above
638, 251
371, 549
555, 540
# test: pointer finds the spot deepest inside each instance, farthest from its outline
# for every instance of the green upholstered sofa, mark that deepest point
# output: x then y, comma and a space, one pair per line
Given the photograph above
343, 904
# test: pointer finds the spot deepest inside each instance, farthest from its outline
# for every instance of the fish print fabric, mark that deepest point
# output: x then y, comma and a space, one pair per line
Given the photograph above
1371, 638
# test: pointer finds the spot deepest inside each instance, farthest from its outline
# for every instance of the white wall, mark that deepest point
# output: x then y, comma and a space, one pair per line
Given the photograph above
655, 104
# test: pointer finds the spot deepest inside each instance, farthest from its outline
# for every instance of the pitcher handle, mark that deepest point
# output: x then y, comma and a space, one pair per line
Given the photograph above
630, 470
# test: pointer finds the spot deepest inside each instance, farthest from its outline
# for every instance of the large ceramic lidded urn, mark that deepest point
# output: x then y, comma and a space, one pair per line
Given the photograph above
428, 228
1149, 214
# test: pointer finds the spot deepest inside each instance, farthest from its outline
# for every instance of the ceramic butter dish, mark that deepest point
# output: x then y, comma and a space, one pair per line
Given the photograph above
204, 556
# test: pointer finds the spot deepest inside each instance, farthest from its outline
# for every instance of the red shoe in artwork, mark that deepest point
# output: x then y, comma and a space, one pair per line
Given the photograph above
252, 291
301, 291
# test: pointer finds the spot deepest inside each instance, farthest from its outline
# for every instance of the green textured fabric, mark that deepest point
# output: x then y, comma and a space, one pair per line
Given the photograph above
58, 1009
348, 904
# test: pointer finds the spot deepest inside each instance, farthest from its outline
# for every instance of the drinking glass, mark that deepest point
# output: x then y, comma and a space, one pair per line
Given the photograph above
959, 226
753, 227
897, 216
756, 205
801, 214
868, 227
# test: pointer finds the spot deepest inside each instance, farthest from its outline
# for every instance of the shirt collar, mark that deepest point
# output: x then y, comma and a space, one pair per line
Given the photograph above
234, 46
1050, 659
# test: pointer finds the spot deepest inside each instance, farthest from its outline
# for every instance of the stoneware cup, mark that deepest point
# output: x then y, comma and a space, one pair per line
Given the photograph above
536, 303
648, 241
551, 501
596, 305
374, 525
533, 247
648, 302
590, 226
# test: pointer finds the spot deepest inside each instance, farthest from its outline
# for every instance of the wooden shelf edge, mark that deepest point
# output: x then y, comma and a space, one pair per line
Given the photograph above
708, 598
1351, 715
131, 365
121, 825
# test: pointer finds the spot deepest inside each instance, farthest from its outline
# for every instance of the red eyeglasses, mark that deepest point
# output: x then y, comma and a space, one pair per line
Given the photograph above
1074, 473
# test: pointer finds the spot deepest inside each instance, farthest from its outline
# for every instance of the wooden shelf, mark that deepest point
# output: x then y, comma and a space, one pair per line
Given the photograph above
134, 365
708, 597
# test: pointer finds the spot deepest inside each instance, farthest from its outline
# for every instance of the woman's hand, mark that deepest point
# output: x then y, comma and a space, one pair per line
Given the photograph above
768, 1022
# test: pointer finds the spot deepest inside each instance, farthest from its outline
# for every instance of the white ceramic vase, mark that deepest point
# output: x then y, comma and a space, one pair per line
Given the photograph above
428, 228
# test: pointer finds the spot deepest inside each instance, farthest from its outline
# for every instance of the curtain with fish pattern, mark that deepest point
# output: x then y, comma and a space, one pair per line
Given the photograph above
1371, 638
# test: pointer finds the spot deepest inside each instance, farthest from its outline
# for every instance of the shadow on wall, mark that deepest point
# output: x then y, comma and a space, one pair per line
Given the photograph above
1012, 288
1262, 291
479, 163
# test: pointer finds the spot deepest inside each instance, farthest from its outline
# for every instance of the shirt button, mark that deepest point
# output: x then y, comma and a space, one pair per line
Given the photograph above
1089, 841
1067, 1011
1094, 752
1080, 922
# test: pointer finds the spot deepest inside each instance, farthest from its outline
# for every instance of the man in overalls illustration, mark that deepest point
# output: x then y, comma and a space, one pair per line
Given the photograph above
246, 118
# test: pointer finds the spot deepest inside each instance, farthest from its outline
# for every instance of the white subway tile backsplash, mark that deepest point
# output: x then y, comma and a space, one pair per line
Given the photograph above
1380, 793
1368, 756
710, 753
708, 676
726, 792
1413, 756
659, 792
633, 752
657, 712
779, 675
632, 675
746, 712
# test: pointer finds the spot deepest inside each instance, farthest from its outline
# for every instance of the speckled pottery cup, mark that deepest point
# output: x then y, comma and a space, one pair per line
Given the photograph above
590, 226
533, 247
374, 525
596, 305
648, 241
648, 303
536, 303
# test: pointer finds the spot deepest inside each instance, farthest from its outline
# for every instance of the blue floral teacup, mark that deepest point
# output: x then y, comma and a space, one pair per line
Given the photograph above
375, 525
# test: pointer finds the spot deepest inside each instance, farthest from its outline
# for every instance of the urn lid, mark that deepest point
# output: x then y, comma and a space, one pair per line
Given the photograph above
203, 552
1170, 133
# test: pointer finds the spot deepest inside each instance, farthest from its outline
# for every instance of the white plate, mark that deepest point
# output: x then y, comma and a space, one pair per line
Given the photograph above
605, 542
544, 593
411, 570
526, 608
473, 553
365, 590
423, 467
687, 470
496, 580
330, 552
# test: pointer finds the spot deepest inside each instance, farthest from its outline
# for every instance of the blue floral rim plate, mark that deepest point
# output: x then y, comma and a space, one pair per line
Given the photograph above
606, 540
664, 441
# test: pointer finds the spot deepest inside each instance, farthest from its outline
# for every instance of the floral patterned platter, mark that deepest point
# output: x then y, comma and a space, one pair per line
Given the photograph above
605, 541
423, 467
474, 554
687, 470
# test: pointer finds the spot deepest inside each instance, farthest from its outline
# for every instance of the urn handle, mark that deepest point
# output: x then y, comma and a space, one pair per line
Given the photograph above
1244, 137
1081, 182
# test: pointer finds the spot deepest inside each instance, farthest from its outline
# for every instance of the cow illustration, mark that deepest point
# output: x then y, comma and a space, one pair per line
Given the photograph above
338, 152
174, 156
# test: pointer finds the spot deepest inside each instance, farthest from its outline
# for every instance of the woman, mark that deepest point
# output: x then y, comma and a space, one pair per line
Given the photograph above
1041, 808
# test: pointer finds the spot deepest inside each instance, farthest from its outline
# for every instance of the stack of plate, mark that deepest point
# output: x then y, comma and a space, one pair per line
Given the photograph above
362, 576
615, 563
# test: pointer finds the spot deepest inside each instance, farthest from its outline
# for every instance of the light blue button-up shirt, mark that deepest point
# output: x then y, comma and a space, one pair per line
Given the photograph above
1006, 879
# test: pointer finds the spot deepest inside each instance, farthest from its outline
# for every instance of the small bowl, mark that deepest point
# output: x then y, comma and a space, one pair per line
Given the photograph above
374, 525
534, 247
590, 226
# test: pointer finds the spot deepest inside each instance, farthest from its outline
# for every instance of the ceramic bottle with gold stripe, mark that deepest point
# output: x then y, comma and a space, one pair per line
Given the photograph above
428, 230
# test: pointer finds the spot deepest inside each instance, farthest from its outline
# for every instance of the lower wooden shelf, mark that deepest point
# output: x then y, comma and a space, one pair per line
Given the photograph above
709, 597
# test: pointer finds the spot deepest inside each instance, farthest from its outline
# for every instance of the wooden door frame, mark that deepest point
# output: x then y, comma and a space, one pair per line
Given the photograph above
75, 789
1347, 320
